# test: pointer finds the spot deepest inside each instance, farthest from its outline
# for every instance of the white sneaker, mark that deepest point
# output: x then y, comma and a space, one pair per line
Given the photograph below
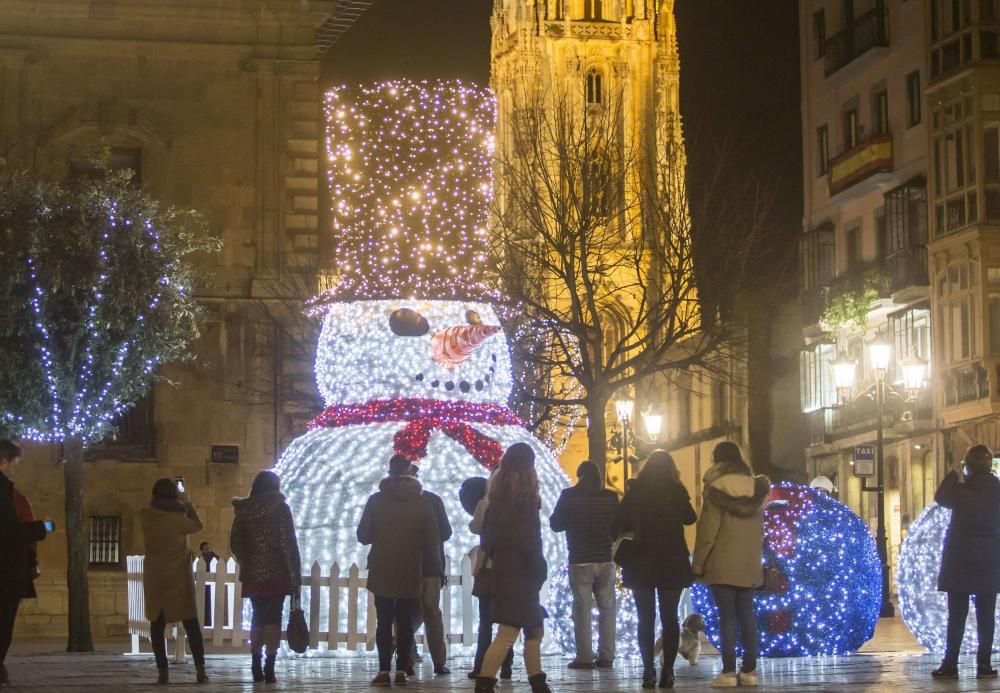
726, 679
748, 679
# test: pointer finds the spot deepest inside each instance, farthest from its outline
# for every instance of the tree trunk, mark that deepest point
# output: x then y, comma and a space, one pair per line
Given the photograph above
597, 434
79, 639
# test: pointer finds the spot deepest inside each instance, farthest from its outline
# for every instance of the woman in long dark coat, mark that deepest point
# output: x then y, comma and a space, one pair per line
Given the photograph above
17, 537
970, 564
655, 509
512, 541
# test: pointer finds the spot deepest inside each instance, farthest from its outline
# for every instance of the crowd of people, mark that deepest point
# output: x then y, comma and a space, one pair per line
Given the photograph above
406, 527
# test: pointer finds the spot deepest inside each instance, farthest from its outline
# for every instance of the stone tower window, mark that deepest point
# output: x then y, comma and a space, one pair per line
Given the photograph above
595, 87
593, 9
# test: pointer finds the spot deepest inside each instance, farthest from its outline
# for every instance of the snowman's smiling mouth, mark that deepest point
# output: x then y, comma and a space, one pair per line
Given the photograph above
461, 385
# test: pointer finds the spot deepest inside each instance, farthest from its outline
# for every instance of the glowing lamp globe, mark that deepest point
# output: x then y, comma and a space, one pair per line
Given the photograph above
923, 608
880, 351
824, 590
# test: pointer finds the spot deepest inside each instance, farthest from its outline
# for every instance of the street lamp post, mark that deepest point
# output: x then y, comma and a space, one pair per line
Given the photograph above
624, 407
914, 369
654, 423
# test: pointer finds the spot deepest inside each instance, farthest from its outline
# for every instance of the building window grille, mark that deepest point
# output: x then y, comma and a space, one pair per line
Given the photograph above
105, 541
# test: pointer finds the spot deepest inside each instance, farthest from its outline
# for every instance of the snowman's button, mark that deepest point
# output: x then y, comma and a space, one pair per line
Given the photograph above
479, 384
435, 383
464, 386
449, 385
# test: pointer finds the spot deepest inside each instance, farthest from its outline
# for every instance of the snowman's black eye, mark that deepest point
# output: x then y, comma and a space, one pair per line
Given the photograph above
408, 323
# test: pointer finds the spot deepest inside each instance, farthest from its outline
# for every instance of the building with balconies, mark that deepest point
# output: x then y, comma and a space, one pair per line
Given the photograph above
864, 263
963, 97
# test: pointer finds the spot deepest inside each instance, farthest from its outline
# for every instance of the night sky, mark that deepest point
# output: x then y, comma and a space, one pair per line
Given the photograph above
739, 74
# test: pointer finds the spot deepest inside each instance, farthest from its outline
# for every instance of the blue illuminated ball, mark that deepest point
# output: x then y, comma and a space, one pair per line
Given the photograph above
824, 592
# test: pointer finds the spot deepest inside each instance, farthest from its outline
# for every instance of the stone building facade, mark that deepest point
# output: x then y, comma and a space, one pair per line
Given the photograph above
216, 107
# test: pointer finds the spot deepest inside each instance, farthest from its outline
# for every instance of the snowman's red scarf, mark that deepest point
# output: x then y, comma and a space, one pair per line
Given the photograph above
424, 416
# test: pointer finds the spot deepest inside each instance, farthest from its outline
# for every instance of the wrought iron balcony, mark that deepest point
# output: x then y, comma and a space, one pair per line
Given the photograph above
870, 30
907, 267
815, 301
865, 160
963, 385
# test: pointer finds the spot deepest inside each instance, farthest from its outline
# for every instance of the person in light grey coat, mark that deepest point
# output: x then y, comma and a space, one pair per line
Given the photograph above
728, 555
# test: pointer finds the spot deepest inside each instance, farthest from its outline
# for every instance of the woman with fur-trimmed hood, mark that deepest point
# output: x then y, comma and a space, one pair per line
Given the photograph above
728, 554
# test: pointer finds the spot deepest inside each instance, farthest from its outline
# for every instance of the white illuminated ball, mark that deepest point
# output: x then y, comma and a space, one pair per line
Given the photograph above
923, 608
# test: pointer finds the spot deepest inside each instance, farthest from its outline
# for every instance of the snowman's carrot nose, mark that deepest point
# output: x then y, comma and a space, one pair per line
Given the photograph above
452, 346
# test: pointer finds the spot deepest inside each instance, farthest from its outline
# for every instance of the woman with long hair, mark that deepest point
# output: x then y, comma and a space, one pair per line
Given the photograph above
728, 554
167, 576
263, 542
654, 510
512, 543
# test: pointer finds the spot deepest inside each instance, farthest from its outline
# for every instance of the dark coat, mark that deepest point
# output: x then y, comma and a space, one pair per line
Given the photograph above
971, 559
434, 565
585, 514
657, 515
264, 543
399, 523
512, 539
18, 575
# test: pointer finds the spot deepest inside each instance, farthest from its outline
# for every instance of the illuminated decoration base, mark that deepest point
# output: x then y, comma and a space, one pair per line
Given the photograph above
828, 585
923, 608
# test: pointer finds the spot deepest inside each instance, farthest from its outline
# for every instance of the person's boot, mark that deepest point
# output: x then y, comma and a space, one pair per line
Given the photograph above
272, 641
667, 678
984, 670
485, 684
162, 675
538, 684
947, 670
256, 658
649, 677
200, 675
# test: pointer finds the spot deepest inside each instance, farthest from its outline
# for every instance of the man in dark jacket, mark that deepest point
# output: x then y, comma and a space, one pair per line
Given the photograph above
428, 613
585, 513
970, 564
399, 524
16, 537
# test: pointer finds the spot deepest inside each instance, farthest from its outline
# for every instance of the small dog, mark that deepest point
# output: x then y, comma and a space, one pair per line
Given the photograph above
690, 644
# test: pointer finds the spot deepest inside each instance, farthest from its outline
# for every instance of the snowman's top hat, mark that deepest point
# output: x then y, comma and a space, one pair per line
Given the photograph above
411, 181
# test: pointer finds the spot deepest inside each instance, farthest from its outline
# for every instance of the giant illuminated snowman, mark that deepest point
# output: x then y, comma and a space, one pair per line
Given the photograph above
411, 358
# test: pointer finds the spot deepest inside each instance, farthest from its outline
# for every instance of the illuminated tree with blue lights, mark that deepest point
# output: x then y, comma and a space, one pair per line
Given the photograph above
95, 294
823, 578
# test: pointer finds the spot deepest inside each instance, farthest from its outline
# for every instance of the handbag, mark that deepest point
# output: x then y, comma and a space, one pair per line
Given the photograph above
298, 631
625, 550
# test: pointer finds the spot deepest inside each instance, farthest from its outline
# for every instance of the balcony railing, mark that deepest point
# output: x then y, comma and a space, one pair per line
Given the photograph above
870, 30
861, 416
815, 301
872, 156
962, 385
908, 267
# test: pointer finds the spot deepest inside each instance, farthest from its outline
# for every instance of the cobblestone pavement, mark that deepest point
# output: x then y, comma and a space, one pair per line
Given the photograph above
891, 662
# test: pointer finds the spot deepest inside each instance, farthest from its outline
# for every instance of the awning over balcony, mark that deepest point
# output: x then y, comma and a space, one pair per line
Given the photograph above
863, 161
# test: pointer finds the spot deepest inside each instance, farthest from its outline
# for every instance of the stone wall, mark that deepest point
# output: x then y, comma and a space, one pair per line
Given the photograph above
223, 102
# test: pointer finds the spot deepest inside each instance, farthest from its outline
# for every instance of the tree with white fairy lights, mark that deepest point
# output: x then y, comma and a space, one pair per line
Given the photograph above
95, 294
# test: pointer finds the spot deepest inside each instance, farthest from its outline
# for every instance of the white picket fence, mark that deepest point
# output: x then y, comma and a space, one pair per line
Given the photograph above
339, 610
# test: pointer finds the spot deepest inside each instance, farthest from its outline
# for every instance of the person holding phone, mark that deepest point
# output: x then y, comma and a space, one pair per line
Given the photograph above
970, 564
19, 532
167, 576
